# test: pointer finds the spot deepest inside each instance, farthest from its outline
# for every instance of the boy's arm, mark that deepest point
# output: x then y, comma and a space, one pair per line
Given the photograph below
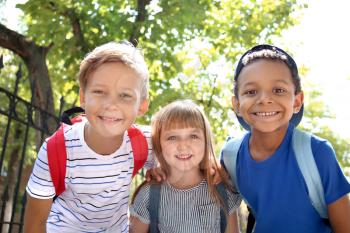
339, 215
137, 226
232, 223
156, 173
36, 214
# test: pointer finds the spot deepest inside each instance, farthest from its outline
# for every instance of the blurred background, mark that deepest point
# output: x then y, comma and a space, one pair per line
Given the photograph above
191, 48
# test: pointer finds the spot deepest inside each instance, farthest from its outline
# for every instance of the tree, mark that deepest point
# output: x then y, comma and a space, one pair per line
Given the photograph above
59, 33
316, 116
165, 30
34, 57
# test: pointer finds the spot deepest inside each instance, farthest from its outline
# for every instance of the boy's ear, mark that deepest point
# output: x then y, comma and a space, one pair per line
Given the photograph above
298, 102
235, 105
82, 97
143, 107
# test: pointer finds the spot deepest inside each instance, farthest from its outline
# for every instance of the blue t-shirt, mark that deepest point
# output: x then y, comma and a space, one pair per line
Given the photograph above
277, 193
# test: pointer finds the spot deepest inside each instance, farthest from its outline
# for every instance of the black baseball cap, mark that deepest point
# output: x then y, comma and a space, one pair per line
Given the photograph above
296, 118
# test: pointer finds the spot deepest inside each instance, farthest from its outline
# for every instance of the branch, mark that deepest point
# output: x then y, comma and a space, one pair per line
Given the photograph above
141, 17
18, 44
75, 22
13, 41
77, 32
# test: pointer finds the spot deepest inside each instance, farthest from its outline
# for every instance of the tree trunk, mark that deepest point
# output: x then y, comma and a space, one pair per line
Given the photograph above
34, 56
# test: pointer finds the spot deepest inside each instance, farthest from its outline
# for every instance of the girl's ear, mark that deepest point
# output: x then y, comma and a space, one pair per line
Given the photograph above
298, 102
82, 97
235, 105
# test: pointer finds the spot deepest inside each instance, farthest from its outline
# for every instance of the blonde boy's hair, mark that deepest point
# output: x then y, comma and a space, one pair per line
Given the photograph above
123, 52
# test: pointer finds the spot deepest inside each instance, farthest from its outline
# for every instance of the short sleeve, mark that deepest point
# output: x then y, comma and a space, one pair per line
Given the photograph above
140, 206
334, 181
40, 183
234, 200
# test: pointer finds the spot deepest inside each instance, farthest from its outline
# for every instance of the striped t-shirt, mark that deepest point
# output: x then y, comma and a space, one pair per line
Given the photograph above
97, 187
184, 210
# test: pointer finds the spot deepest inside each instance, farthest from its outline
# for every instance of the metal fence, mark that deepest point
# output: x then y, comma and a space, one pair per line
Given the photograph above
23, 126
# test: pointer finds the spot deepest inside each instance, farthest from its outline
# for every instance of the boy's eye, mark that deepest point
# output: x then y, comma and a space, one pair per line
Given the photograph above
98, 92
249, 92
279, 90
125, 95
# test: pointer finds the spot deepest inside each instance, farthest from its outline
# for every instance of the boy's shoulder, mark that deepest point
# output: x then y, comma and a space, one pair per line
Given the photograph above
75, 132
145, 129
316, 142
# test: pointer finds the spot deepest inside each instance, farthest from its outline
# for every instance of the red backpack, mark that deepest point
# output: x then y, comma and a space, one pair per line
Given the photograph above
57, 154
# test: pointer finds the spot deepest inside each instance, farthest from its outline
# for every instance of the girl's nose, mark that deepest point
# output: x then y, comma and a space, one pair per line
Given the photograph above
182, 144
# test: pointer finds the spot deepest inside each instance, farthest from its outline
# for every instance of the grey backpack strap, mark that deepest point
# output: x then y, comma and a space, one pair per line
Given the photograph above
229, 158
307, 165
154, 198
223, 194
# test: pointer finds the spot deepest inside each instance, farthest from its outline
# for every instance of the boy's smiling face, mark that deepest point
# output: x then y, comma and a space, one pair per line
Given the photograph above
112, 100
266, 95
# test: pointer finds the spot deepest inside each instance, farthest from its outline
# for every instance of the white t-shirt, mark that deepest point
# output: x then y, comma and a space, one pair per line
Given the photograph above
97, 187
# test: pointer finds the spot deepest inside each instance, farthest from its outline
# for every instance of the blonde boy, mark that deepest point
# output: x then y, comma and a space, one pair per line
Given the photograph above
113, 82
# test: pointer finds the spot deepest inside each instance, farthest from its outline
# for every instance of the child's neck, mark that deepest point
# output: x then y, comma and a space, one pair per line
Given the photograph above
185, 180
263, 145
102, 145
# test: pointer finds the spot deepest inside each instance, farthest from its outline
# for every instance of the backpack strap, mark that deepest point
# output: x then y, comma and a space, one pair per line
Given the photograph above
307, 165
154, 198
66, 115
223, 221
139, 147
57, 159
57, 154
229, 158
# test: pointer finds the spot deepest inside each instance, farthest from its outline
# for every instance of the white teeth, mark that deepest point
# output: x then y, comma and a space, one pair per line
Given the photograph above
183, 156
263, 114
109, 119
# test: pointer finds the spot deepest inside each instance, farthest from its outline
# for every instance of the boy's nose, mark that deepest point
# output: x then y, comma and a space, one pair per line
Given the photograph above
111, 102
265, 98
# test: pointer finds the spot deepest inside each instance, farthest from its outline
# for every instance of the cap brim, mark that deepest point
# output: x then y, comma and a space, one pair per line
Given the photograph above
295, 120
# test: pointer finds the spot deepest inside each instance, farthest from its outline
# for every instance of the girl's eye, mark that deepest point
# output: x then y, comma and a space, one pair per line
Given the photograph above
171, 138
194, 136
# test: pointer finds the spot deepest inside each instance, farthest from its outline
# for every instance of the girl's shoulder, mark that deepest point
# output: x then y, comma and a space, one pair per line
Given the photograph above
142, 192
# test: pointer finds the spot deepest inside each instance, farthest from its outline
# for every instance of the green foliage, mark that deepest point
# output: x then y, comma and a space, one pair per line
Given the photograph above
316, 116
227, 26
186, 44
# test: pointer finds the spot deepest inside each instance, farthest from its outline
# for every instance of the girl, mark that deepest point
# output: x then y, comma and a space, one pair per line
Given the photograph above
189, 201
